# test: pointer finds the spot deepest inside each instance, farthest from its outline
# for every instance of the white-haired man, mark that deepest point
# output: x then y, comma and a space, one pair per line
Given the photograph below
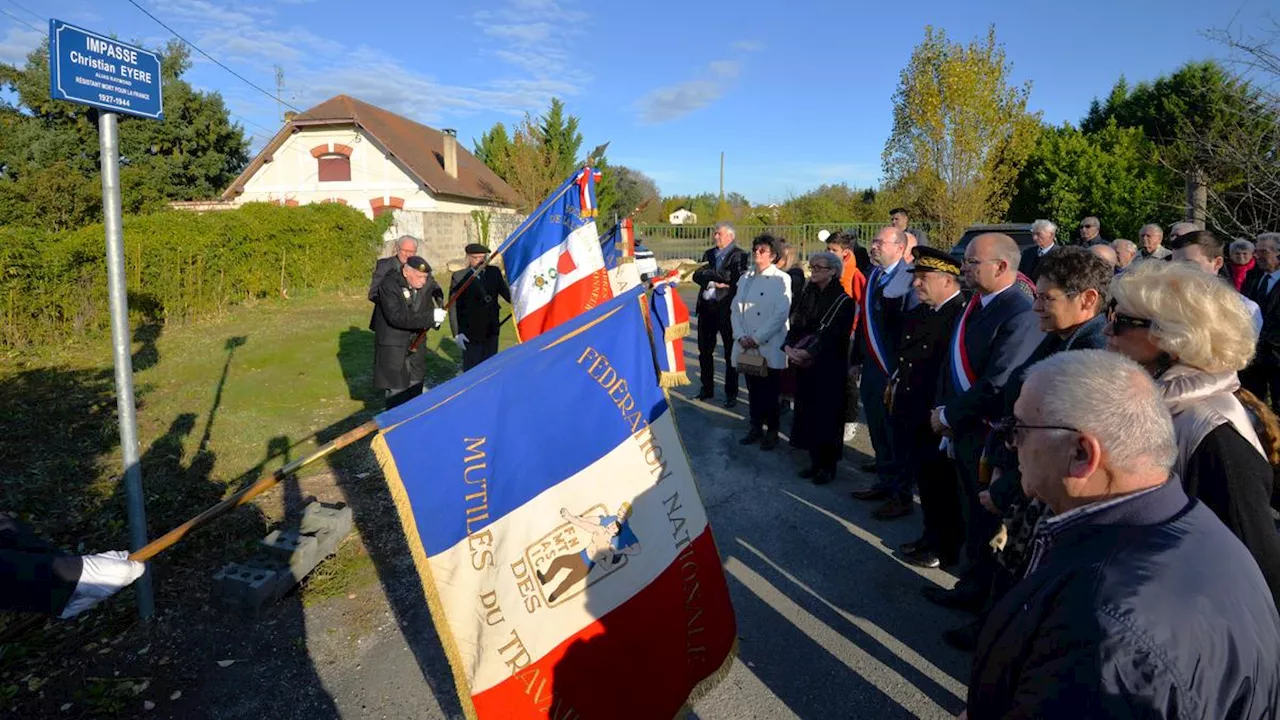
1126, 252
1138, 601
722, 265
1045, 235
1091, 231
1106, 253
1262, 377
1151, 239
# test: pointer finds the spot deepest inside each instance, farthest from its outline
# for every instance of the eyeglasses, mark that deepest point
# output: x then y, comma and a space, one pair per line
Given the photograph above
1008, 428
820, 267
976, 263
1121, 322
762, 250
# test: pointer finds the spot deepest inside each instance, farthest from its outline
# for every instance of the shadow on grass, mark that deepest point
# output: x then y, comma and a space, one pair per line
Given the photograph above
56, 470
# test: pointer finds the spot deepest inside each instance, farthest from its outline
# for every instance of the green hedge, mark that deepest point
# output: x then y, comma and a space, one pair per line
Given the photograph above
180, 266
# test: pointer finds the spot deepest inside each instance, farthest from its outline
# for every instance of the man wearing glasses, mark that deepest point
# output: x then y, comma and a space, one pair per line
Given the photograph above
722, 265
997, 334
1091, 232
1138, 601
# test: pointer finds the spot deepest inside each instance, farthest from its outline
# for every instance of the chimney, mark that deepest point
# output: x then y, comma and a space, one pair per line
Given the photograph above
451, 152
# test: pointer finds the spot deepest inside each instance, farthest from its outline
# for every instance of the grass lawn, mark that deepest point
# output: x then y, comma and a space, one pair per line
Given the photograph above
219, 403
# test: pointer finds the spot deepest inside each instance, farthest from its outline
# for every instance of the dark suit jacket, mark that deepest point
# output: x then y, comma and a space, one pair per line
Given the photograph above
475, 312
380, 270
1030, 263
998, 339
1009, 488
1269, 339
735, 264
926, 333
397, 320
888, 315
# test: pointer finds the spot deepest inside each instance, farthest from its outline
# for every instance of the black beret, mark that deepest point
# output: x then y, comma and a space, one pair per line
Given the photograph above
477, 249
419, 264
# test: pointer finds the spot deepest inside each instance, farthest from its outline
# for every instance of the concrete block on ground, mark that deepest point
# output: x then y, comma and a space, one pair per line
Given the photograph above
244, 586
334, 518
290, 547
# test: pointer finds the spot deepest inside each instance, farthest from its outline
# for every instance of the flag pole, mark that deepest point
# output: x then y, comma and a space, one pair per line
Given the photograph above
506, 245
264, 483
171, 538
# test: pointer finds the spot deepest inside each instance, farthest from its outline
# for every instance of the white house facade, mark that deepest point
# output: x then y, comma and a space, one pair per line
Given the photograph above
375, 161
683, 217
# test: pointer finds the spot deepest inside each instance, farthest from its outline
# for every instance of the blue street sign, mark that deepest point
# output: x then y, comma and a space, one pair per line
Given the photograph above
92, 69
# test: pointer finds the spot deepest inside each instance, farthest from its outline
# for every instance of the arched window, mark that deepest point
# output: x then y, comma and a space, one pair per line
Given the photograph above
333, 162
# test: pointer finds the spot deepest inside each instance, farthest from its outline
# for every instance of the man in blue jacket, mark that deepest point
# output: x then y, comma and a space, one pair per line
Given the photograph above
1138, 602
995, 335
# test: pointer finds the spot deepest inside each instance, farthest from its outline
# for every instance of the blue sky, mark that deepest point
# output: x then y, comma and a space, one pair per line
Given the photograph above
795, 93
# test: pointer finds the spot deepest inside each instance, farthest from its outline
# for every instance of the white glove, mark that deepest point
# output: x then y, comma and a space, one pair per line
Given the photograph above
461, 340
103, 575
710, 292
439, 315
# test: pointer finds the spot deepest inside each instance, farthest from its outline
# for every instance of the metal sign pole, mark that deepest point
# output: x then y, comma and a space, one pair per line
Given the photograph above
109, 138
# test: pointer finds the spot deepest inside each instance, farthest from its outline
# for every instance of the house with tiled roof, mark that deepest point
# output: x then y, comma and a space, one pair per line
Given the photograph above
347, 151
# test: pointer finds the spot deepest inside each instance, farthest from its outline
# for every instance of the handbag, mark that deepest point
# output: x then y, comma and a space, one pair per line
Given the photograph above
751, 362
812, 342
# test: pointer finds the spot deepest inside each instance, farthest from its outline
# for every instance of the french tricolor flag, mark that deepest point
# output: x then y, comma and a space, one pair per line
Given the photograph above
557, 529
556, 268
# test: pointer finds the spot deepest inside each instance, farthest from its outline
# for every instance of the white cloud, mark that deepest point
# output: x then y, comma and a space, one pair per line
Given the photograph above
675, 101
748, 46
16, 43
539, 37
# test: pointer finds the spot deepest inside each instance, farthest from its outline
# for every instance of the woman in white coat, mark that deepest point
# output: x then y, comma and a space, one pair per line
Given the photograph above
759, 316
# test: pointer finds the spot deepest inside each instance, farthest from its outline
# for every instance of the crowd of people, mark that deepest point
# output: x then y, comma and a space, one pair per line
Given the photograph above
1091, 429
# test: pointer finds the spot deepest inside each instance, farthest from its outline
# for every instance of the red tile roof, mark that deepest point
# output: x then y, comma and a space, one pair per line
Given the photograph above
418, 148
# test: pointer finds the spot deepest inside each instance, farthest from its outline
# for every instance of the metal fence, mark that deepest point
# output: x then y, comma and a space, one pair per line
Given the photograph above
670, 242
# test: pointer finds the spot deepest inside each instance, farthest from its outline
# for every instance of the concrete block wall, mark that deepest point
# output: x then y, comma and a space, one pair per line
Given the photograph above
444, 235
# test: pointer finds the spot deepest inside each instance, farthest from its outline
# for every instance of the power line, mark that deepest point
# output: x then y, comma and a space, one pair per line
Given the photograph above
34, 15
20, 21
211, 58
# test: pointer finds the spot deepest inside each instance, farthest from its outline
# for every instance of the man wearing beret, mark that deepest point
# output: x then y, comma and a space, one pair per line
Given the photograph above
409, 302
909, 398
473, 318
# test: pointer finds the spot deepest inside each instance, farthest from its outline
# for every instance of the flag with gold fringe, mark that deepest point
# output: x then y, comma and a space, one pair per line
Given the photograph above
556, 527
669, 321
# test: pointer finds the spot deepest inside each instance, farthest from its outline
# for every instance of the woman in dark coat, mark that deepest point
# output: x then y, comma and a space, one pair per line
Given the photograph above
818, 345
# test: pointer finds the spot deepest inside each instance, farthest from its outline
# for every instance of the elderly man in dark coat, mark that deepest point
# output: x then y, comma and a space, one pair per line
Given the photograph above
717, 280
926, 330
1138, 601
409, 302
473, 317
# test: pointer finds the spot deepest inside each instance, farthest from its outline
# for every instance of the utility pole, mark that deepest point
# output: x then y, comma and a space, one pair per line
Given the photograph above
280, 92
721, 177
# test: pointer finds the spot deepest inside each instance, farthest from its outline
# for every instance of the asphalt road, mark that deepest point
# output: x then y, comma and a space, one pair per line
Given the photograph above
831, 624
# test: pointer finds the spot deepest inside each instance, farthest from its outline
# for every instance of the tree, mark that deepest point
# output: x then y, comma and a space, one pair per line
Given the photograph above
633, 188
1109, 173
540, 154
50, 148
494, 149
961, 132
1217, 132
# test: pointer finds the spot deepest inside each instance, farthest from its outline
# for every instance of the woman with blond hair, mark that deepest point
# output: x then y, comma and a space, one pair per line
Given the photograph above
1193, 334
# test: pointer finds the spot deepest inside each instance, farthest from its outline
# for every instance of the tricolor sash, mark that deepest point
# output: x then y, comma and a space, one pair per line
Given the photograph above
871, 328
962, 374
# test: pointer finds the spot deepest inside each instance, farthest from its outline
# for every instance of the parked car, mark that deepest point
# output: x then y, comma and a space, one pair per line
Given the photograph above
1020, 232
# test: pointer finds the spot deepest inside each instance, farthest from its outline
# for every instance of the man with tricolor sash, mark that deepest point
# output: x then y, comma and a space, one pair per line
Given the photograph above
876, 347
996, 334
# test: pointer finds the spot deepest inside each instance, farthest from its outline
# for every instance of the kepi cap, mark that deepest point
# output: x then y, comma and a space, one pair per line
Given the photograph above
418, 264
929, 259
476, 249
